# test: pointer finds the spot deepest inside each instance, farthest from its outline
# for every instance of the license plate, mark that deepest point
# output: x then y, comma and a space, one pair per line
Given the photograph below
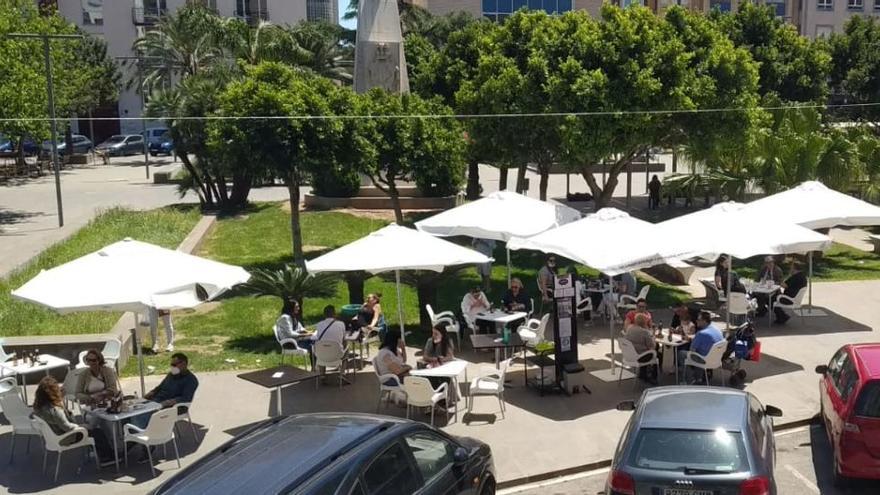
685, 491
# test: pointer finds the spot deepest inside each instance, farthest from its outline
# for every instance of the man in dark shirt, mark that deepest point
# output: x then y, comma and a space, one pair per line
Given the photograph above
793, 284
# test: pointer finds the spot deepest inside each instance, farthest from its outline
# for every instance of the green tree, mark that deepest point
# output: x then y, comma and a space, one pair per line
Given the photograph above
791, 66
289, 283
856, 66
429, 151
288, 148
319, 47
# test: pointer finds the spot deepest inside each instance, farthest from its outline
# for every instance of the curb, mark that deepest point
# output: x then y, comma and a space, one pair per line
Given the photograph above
605, 463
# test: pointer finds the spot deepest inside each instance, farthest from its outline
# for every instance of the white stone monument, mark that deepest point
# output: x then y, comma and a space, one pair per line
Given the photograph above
379, 60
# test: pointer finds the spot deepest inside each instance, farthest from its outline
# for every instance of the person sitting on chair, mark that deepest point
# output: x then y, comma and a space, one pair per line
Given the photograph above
639, 333
388, 361
178, 386
793, 284
472, 304
96, 383
770, 272
289, 323
438, 348
516, 299
722, 268
641, 309
330, 328
706, 337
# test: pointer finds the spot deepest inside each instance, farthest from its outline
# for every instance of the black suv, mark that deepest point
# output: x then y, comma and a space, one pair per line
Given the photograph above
336, 453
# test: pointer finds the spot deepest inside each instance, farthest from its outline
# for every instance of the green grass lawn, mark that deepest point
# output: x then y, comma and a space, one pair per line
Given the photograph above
166, 227
237, 333
839, 263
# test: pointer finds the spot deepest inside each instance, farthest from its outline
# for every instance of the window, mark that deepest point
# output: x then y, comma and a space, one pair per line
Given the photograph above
756, 417
825, 4
855, 4
868, 404
498, 10
721, 5
876, 4
669, 450
391, 473
843, 374
93, 12
824, 31
778, 7
433, 454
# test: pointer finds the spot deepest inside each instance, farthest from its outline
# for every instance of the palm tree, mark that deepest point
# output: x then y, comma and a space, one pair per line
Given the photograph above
253, 44
412, 17
318, 46
288, 283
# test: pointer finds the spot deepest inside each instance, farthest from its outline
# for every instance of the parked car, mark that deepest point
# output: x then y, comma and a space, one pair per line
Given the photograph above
155, 134
332, 453
81, 144
10, 145
849, 394
162, 146
122, 145
695, 441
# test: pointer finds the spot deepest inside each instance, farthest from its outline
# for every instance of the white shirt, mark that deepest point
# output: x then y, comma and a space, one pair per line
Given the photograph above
468, 301
330, 329
288, 327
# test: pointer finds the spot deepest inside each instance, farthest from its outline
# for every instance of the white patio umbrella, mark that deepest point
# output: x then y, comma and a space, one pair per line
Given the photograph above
395, 248
499, 216
610, 241
730, 229
132, 276
814, 206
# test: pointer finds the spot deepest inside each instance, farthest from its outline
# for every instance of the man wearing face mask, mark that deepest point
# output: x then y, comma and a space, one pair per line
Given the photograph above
546, 279
179, 385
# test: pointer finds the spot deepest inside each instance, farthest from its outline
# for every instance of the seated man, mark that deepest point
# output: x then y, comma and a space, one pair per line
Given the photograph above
769, 273
473, 303
178, 386
516, 299
793, 284
641, 309
680, 310
639, 333
707, 336
330, 328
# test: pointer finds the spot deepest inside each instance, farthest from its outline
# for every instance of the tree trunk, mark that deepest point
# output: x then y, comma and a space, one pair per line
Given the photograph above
355, 282
20, 162
395, 202
473, 183
241, 188
224, 193
521, 177
427, 294
502, 179
295, 231
544, 170
203, 192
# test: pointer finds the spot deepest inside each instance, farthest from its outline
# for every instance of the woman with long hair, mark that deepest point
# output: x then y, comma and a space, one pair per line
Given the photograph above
98, 382
289, 323
370, 314
388, 361
438, 348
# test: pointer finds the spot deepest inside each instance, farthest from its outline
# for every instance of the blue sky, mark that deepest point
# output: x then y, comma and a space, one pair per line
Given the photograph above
343, 4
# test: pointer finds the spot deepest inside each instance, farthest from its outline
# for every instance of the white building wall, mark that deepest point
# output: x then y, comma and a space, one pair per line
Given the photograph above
287, 11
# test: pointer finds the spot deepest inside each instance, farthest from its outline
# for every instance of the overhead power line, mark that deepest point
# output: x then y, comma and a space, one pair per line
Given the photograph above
615, 113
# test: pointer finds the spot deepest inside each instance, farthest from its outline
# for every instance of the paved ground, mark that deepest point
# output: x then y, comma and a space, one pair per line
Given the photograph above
803, 467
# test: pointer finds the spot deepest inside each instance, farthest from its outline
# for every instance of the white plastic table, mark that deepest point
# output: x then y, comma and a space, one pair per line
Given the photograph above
451, 369
502, 317
672, 346
114, 420
767, 290
47, 362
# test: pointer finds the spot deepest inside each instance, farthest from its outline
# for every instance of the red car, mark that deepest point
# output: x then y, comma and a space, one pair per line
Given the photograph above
850, 400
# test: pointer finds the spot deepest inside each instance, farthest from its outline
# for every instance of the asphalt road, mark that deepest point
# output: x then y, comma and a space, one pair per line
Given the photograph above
803, 467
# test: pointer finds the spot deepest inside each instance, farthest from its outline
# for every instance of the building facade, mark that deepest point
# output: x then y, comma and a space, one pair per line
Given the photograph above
820, 18
121, 22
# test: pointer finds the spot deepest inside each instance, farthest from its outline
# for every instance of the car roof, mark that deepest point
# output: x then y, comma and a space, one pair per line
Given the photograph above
693, 408
278, 453
869, 357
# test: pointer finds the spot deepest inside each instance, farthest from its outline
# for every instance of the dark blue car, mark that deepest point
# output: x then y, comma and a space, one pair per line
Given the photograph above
8, 145
340, 453
163, 145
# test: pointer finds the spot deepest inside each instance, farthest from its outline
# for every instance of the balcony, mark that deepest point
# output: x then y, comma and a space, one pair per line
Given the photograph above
147, 16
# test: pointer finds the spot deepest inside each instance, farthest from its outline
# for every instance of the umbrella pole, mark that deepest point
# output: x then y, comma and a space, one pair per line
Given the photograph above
729, 275
508, 268
399, 305
140, 357
810, 282
611, 314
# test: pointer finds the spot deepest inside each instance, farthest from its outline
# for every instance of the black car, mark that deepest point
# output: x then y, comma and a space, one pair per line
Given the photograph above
695, 441
336, 453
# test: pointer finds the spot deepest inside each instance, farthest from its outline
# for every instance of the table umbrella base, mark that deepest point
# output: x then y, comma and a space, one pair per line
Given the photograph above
612, 375
807, 312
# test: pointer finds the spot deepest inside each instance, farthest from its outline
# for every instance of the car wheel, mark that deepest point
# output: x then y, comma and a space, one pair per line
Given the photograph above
488, 487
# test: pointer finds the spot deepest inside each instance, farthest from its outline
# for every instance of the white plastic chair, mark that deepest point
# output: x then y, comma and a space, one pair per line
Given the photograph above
159, 431
289, 346
712, 361
629, 302
630, 358
420, 393
329, 355
534, 331
793, 304
452, 323
489, 382
738, 305
183, 413
17, 414
4, 357
69, 389
52, 442
386, 391
112, 350
582, 303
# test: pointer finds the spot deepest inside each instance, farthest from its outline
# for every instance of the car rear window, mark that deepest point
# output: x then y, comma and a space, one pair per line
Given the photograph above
675, 450
868, 404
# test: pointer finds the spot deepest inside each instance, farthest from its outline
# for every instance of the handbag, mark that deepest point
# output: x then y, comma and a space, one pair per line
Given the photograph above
756, 352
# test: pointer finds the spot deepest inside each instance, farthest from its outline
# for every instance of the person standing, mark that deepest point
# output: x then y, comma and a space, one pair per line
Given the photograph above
654, 193
485, 247
546, 281
155, 314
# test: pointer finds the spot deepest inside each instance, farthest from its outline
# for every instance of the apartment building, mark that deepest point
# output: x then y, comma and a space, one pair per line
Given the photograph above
121, 22
823, 17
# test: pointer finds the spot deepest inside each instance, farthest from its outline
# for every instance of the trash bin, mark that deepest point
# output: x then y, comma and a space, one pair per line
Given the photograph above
349, 311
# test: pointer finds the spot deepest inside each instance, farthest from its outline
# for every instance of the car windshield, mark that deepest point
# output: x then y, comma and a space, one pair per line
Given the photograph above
696, 451
115, 139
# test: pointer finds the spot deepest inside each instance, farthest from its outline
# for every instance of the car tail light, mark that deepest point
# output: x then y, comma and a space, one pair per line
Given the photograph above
851, 428
622, 483
755, 486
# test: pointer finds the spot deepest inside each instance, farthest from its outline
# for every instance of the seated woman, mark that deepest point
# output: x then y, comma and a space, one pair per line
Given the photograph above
388, 361
686, 328
289, 323
98, 382
368, 317
438, 348
49, 406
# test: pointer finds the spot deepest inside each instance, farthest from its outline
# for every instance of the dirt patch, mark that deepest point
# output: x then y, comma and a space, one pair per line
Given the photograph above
386, 215
308, 248
199, 310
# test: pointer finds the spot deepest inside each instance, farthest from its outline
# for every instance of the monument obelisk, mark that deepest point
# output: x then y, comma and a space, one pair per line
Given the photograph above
378, 57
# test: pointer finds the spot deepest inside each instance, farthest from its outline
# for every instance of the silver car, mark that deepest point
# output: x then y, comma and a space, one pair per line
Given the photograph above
695, 441
122, 145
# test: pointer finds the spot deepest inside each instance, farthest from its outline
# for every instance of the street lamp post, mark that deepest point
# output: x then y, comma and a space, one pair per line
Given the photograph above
50, 90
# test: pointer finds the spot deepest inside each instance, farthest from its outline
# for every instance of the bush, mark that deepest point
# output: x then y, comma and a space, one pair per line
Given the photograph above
333, 182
